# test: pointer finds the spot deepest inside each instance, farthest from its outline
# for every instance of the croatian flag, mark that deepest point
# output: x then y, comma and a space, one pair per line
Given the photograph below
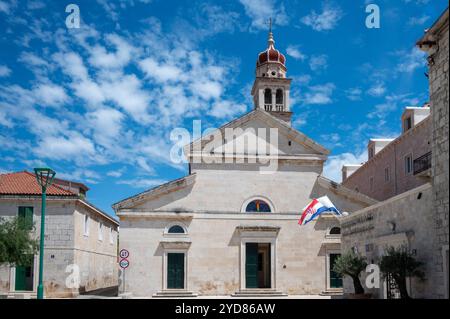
317, 207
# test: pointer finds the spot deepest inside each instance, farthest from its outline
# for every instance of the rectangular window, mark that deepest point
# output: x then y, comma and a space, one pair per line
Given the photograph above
100, 231
86, 225
371, 152
387, 174
408, 164
371, 183
111, 235
407, 124
25, 216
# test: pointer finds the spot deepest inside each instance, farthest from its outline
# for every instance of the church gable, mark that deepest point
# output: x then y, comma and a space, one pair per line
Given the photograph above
257, 132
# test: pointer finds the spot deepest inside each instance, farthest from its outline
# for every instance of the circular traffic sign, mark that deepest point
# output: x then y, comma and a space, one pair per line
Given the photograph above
124, 253
124, 263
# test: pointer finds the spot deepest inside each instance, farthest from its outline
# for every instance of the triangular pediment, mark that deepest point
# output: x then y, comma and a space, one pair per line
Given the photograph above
257, 132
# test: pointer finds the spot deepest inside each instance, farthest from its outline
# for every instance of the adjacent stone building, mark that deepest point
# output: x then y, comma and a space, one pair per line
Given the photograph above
395, 166
416, 218
79, 238
230, 227
435, 43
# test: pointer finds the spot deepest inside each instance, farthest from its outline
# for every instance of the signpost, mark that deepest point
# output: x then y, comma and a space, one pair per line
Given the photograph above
124, 263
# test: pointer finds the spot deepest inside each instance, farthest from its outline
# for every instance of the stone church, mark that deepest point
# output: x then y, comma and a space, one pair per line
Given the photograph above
230, 227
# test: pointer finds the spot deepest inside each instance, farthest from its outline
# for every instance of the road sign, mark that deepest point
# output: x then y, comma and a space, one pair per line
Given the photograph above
124, 253
124, 263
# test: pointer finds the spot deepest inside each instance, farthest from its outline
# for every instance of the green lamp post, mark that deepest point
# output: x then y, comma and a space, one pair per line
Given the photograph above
44, 178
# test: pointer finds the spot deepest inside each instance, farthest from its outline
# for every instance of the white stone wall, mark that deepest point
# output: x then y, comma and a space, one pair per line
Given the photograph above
96, 258
216, 199
413, 226
63, 247
214, 255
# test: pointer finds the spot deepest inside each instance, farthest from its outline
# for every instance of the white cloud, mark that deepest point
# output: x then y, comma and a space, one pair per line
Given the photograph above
410, 61
3, 119
413, 21
32, 59
101, 58
214, 19
72, 64
89, 91
117, 172
160, 72
390, 104
142, 162
63, 148
5, 7
50, 94
106, 124
260, 11
35, 5
324, 21
295, 52
319, 94
318, 62
333, 166
354, 94
4, 71
227, 109
127, 92
142, 182
207, 90
378, 89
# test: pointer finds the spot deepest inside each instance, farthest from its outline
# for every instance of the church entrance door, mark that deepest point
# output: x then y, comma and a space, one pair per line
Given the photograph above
257, 265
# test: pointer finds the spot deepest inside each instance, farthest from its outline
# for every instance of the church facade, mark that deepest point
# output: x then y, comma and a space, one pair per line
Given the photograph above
230, 227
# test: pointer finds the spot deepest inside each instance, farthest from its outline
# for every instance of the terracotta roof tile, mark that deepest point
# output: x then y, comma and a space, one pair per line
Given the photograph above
25, 183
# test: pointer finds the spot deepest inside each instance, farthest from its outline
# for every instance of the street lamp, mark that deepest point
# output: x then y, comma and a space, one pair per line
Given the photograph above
44, 178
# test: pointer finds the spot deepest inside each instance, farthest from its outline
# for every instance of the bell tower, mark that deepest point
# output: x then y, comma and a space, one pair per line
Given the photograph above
271, 88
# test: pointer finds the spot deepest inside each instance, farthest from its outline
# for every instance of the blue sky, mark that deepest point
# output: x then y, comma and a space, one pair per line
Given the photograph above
98, 103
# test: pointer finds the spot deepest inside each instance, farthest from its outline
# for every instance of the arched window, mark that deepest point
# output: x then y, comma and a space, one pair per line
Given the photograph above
279, 96
268, 97
176, 229
258, 206
335, 231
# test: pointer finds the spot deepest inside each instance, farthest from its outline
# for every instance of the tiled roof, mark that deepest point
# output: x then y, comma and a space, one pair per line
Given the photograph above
25, 183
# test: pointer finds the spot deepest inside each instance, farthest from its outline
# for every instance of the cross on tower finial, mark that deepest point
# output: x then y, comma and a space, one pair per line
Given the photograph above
270, 24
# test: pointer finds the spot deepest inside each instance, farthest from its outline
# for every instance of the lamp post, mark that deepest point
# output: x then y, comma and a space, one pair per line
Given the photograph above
44, 178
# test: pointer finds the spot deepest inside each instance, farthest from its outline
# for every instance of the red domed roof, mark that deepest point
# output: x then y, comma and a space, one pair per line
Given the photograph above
271, 55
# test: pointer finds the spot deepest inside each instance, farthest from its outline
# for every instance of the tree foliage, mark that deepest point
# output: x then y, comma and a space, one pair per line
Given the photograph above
16, 243
401, 264
351, 264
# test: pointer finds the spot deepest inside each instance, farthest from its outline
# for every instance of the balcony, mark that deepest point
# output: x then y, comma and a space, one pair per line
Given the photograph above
422, 165
279, 107
268, 107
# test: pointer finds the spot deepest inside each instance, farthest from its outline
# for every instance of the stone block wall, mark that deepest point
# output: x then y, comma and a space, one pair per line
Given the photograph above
370, 231
439, 93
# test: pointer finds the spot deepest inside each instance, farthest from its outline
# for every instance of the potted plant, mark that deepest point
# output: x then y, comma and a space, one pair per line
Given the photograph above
401, 264
351, 264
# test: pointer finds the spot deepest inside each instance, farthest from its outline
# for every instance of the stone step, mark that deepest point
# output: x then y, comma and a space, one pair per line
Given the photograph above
19, 295
174, 294
259, 293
